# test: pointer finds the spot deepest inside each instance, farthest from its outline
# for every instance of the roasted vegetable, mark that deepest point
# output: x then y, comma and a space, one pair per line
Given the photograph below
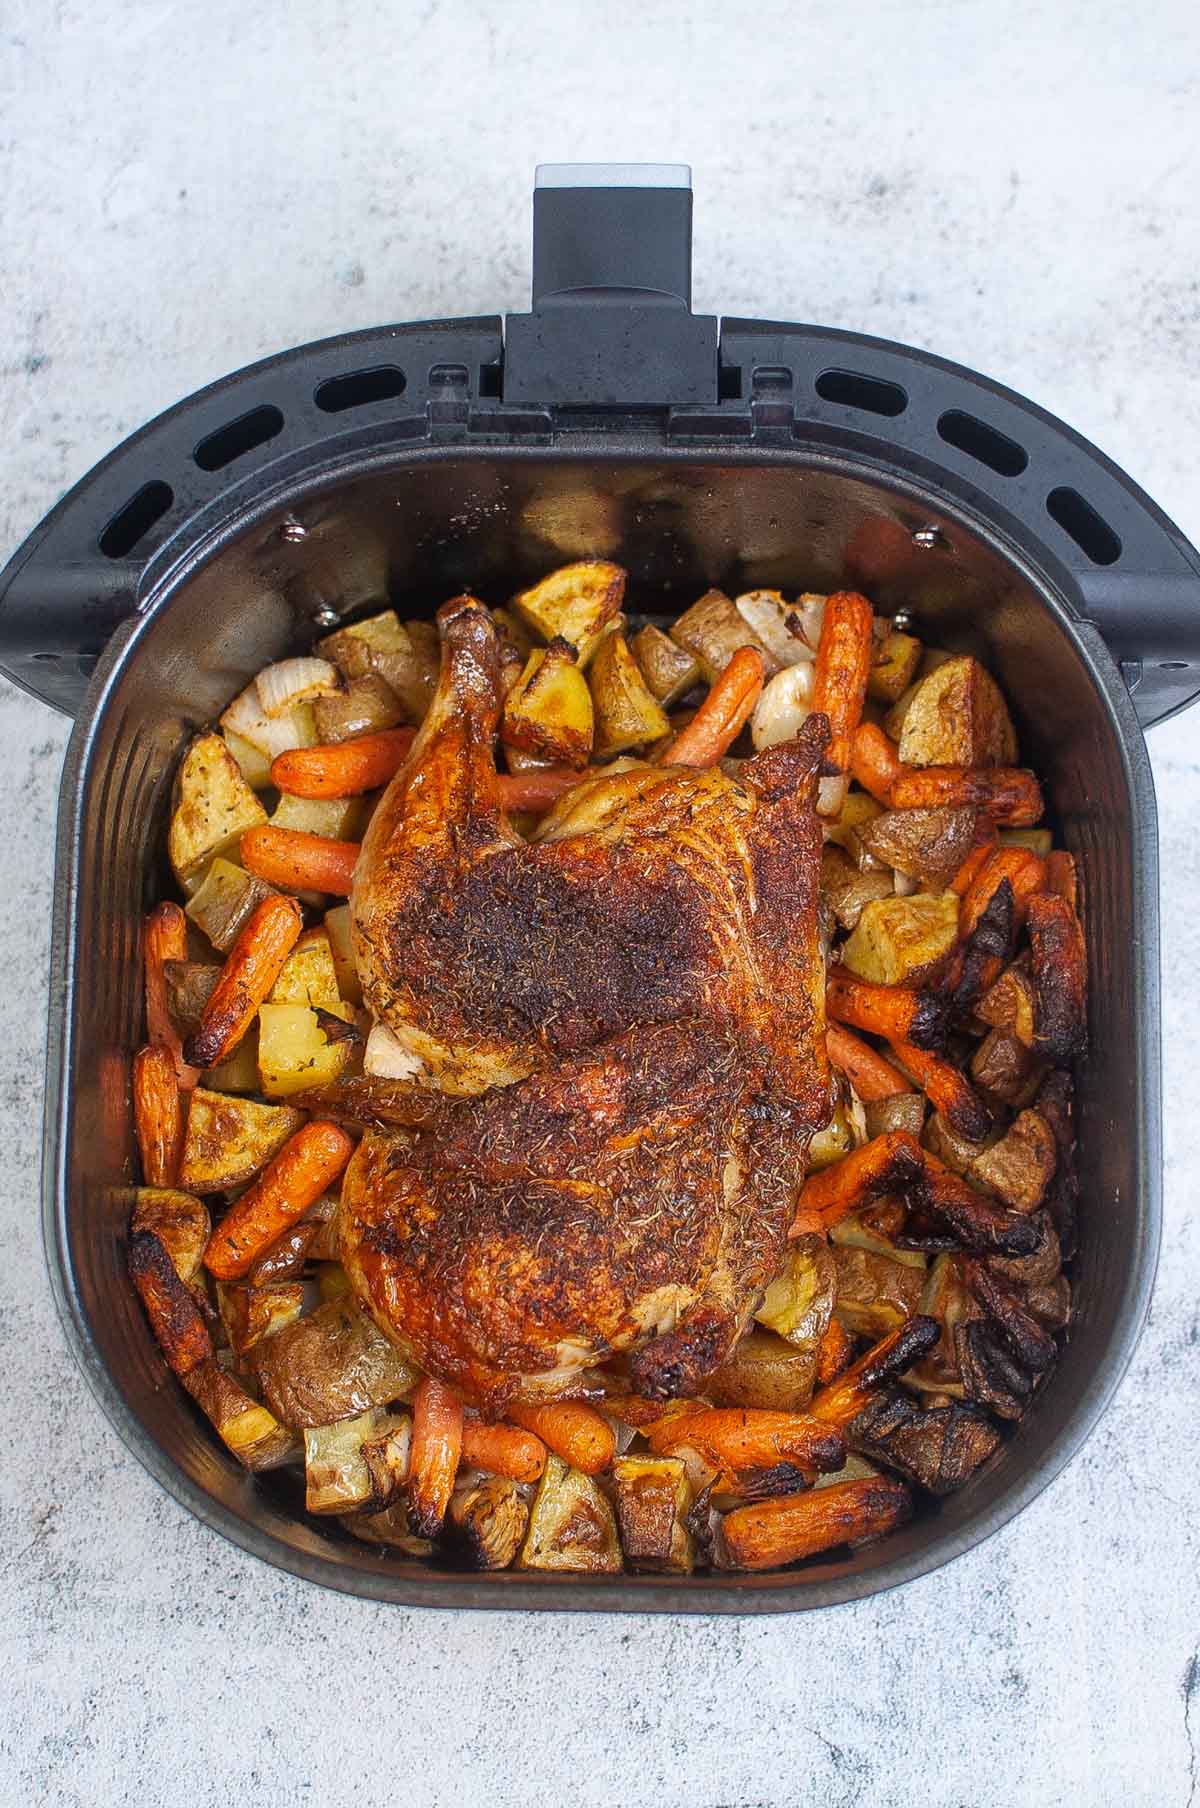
1059, 964
391, 1528
927, 845
576, 603
893, 666
712, 631
899, 941
954, 717
330, 1365
845, 1398
1005, 1071
254, 1436
285, 1258
669, 670
871, 1076
896, 1012
1019, 1167
548, 712
157, 1114
179, 1221
247, 722
486, 1522
1009, 1003
251, 968
296, 860
939, 1447
848, 891
781, 626
1001, 794
896, 1111
505, 1450
175, 1318
783, 707
223, 904
254, 765
722, 715
341, 949
653, 1499
332, 819
957, 1152
332, 775
764, 1371
798, 1303
337, 1476
296, 1052
947, 1089
627, 712
991, 1375
571, 1526
874, 761
575, 1432
749, 1438
436, 1449
214, 806
843, 665
399, 653
771, 1533
189, 987
251, 1313
831, 1143
164, 942
875, 1293
308, 1164
367, 706
238, 1072
229, 1140
849, 826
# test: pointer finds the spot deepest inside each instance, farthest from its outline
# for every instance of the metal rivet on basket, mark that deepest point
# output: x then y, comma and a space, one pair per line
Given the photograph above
930, 539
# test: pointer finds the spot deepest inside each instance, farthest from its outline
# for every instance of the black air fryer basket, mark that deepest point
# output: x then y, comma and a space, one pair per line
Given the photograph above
414, 461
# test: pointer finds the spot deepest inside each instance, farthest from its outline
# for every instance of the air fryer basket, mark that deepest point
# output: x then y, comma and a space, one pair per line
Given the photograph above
414, 461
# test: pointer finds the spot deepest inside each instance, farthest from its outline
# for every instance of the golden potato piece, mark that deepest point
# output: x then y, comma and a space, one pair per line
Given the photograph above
955, 717
340, 818
627, 713
653, 1497
308, 975
898, 940
214, 806
180, 1222
295, 1052
893, 667
669, 670
341, 948
221, 905
229, 1140
404, 654
548, 712
712, 630
255, 1436
576, 603
571, 1526
251, 1313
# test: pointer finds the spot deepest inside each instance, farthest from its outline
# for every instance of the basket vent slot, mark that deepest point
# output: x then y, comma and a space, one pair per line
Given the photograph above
219, 449
1090, 531
854, 389
979, 441
381, 383
134, 521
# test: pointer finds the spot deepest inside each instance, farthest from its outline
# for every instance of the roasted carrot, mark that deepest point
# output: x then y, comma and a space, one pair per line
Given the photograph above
947, 1089
843, 667
943, 1201
768, 1533
164, 938
297, 861
886, 1163
344, 768
1062, 877
306, 1166
1059, 967
573, 1431
833, 1352
874, 761
175, 1318
891, 1011
738, 1437
157, 1115
437, 1430
1025, 872
870, 1075
503, 1450
1006, 794
722, 715
964, 878
845, 1398
251, 968
538, 788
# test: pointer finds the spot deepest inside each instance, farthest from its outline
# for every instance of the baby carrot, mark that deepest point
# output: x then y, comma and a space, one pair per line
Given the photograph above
297, 861
1025, 872
768, 1533
157, 1115
164, 938
503, 1450
251, 968
344, 768
843, 667
575, 1432
1007, 794
874, 761
306, 1166
437, 1430
870, 1075
722, 715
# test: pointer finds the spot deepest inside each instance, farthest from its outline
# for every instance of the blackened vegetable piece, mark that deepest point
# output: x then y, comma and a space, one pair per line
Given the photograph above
1056, 1103
989, 1374
940, 1448
1059, 962
1022, 1335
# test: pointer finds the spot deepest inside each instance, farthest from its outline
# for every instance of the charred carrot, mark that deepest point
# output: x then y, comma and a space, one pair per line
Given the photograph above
538, 788
944, 1201
1025, 872
164, 938
1059, 967
735, 1437
573, 1431
768, 1533
175, 1318
874, 761
843, 667
845, 1398
437, 1431
157, 1115
1062, 877
297, 861
722, 715
947, 1089
503, 1450
1007, 794
965, 877
833, 1352
306, 1166
251, 968
891, 1011
870, 1075
344, 768
887, 1162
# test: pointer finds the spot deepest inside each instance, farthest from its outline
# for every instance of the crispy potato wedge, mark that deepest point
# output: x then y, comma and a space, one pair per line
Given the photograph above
955, 717
254, 766
295, 1051
653, 1497
486, 1522
627, 713
926, 845
256, 1439
180, 1222
308, 975
228, 1140
899, 941
251, 1313
712, 631
670, 671
238, 1072
1019, 1167
399, 653
571, 1526
224, 903
576, 602
764, 1371
893, 666
331, 1365
367, 705
175, 1318
214, 806
548, 712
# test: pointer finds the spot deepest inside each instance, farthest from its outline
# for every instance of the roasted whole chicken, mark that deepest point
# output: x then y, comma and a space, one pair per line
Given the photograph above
637, 994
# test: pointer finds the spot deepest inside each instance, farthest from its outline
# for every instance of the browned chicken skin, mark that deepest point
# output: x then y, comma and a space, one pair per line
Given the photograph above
648, 971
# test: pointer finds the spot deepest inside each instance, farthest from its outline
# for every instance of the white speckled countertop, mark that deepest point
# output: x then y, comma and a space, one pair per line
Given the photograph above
184, 189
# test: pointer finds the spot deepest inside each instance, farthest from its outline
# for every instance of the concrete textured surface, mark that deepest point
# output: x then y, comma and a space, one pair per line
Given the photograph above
183, 189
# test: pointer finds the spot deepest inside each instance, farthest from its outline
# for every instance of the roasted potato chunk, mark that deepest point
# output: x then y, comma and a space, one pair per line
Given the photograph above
653, 1499
179, 1221
1004, 1070
1020, 1167
214, 806
798, 1304
846, 890
893, 667
252, 763
228, 1140
367, 705
337, 818
955, 717
548, 712
1010, 1003
627, 714
898, 941
341, 950
576, 602
875, 1293
330, 1365
712, 631
926, 845
307, 975
251, 1313
669, 671
764, 1371
247, 1429
295, 1050
401, 654
221, 906
571, 1526
849, 827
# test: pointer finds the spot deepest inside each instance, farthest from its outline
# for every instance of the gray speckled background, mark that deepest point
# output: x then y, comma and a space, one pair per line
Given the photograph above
1013, 184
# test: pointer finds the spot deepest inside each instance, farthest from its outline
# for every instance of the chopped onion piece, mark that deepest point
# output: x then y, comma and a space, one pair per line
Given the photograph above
766, 614
271, 736
903, 885
781, 711
280, 687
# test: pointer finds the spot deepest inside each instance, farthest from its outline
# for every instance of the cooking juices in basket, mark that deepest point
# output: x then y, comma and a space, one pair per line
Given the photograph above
612, 426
